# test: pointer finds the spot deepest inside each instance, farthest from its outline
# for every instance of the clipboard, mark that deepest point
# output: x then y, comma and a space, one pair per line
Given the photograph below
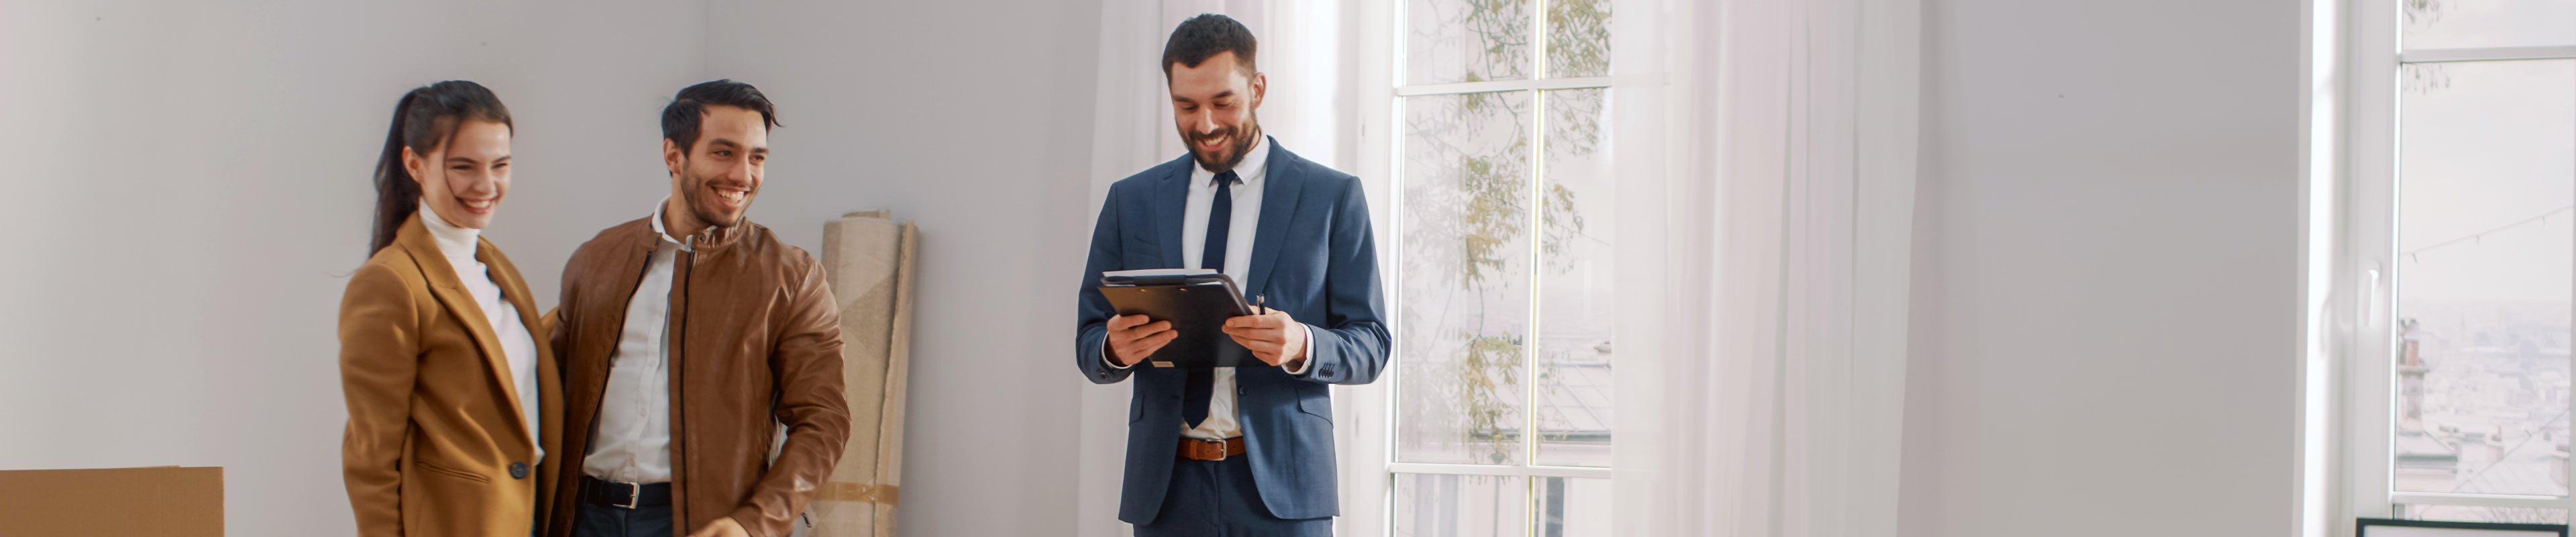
1196, 301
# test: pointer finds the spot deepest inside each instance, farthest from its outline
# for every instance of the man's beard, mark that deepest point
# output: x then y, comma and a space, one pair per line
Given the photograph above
702, 187
1243, 137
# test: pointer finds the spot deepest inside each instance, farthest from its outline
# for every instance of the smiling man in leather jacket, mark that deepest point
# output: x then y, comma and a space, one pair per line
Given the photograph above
687, 338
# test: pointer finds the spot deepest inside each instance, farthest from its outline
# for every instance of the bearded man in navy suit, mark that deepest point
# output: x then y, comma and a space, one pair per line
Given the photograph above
1240, 450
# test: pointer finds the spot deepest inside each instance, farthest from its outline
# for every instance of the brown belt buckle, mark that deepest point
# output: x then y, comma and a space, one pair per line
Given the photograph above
1202, 443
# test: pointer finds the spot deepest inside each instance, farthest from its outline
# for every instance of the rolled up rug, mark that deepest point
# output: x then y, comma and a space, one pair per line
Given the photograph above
868, 261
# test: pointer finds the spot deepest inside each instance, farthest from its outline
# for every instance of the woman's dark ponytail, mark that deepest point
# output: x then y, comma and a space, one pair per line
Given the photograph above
423, 119
397, 194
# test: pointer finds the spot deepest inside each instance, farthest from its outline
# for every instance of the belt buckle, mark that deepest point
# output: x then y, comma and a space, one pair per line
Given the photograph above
1218, 444
634, 495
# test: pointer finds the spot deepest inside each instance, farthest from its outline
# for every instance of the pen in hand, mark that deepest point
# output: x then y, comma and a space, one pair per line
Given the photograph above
1261, 303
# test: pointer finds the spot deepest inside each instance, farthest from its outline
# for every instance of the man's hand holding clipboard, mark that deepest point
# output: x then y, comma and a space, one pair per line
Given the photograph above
1272, 337
1159, 309
1134, 337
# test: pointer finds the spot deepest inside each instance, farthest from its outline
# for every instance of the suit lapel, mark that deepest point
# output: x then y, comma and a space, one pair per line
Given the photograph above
1171, 199
506, 274
1278, 208
450, 290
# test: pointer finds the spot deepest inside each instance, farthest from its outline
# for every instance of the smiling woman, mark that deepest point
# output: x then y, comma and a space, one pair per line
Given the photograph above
425, 121
428, 325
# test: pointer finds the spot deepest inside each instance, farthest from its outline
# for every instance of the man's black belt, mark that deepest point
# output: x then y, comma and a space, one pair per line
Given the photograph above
607, 493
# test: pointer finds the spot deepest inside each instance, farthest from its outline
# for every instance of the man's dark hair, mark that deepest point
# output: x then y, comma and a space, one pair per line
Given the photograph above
680, 120
1205, 36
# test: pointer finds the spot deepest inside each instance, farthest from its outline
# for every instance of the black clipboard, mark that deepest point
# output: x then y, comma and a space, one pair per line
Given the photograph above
1196, 301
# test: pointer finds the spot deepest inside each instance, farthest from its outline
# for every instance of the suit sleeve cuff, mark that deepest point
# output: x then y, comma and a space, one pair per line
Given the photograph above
1106, 359
1305, 353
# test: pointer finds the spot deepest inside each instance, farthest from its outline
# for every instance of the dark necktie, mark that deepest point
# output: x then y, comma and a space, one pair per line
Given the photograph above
1202, 382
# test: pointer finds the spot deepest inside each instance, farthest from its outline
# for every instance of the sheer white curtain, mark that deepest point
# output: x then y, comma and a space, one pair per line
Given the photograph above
1767, 400
1131, 130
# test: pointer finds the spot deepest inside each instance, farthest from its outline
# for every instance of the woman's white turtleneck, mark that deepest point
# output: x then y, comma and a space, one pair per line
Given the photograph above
460, 246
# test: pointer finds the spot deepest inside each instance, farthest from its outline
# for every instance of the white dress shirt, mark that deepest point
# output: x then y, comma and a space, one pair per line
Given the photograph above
518, 348
633, 442
1244, 215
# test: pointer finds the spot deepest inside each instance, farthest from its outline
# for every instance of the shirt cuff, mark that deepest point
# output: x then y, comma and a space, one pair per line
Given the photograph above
1107, 359
1303, 354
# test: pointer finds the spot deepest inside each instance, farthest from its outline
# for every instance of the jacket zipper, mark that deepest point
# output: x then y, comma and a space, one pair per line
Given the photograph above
688, 266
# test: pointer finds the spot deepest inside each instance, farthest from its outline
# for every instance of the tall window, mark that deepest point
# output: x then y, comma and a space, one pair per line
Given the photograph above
2471, 223
1504, 316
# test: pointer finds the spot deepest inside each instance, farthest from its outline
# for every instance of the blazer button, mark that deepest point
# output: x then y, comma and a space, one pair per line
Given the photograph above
1325, 371
1239, 391
518, 470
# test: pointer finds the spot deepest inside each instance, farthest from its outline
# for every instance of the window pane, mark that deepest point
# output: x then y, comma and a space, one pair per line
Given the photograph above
1465, 292
1429, 505
1577, 306
2488, 23
1578, 38
2464, 513
2487, 179
1466, 40
1573, 507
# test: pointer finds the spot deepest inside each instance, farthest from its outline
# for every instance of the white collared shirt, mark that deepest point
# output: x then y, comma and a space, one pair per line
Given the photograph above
1243, 216
518, 348
633, 441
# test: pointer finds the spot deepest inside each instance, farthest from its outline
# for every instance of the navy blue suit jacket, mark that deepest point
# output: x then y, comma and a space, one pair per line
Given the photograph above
1313, 257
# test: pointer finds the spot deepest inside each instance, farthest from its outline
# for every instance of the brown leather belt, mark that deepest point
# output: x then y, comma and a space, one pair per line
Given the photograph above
1210, 450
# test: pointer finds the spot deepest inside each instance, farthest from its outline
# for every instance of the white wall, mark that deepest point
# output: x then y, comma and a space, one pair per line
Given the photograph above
187, 185
2105, 321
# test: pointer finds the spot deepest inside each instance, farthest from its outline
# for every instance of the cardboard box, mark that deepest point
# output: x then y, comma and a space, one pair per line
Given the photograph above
159, 501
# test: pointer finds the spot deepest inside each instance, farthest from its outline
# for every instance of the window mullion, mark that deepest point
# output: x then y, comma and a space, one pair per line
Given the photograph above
1482, 86
2480, 500
2555, 52
2369, 394
1537, 231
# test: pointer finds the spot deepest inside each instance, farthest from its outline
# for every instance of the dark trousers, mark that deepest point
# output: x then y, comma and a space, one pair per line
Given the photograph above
604, 521
1217, 498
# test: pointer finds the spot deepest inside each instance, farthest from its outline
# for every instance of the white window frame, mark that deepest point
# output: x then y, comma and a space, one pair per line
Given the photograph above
2374, 58
1369, 485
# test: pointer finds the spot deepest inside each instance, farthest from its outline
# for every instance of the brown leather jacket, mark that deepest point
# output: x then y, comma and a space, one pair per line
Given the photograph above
755, 344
